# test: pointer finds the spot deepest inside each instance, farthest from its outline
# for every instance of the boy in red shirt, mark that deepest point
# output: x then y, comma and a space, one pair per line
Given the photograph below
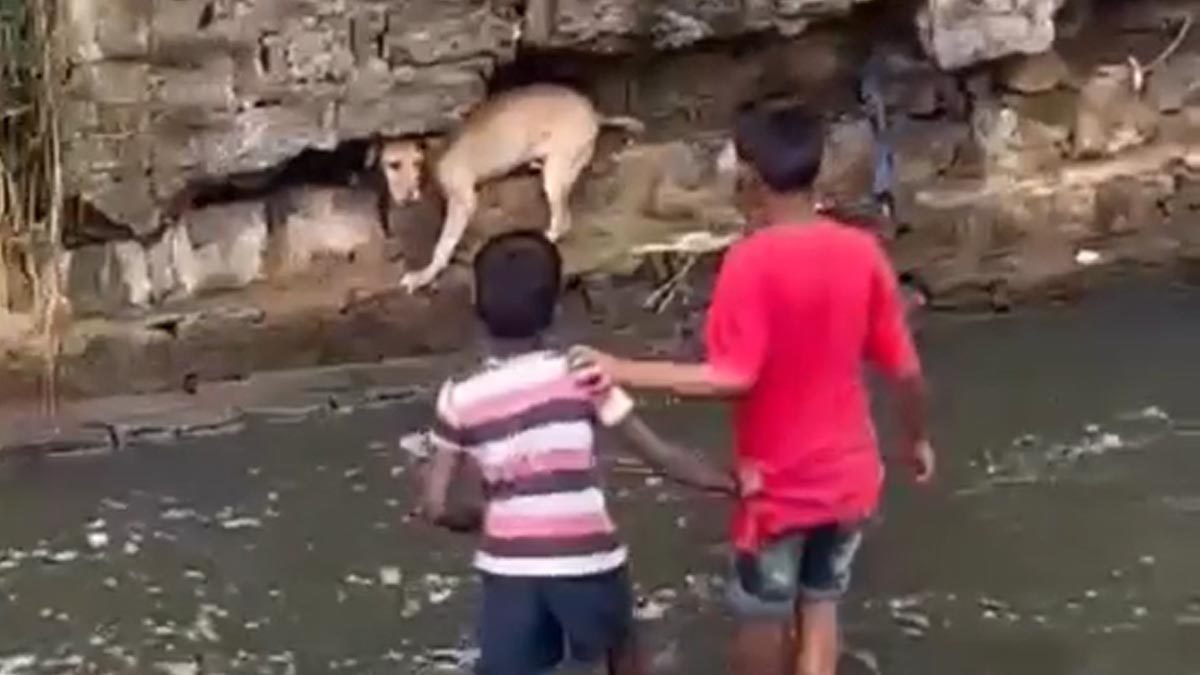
800, 306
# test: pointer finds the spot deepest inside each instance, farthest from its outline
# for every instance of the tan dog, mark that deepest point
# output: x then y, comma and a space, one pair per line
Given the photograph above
545, 125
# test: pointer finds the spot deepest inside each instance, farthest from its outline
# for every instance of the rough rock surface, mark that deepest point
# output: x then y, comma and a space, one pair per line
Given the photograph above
1001, 174
170, 92
960, 33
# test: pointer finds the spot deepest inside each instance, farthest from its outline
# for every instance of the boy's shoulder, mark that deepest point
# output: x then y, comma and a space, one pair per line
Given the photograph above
511, 372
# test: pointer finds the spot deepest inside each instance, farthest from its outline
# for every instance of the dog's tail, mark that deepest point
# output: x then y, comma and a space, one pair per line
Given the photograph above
629, 124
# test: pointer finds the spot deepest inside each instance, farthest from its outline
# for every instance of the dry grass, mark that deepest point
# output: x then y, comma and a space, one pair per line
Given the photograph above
31, 180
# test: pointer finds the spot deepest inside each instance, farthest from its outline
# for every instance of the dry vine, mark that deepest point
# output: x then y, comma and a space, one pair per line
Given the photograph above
31, 179
1141, 71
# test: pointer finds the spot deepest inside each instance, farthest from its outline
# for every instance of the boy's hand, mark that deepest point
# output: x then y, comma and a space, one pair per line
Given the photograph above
592, 369
748, 481
923, 460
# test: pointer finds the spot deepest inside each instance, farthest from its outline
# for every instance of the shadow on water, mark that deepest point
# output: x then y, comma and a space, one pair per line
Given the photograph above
1060, 539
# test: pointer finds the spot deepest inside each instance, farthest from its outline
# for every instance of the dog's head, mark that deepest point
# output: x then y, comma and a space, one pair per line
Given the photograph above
401, 162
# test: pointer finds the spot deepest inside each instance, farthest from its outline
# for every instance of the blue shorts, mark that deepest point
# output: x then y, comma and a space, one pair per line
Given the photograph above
529, 625
807, 565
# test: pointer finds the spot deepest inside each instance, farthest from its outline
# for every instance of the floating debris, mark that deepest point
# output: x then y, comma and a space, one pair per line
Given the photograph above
390, 576
358, 580
242, 523
419, 444
655, 606
1088, 257
97, 540
412, 607
178, 668
439, 588
447, 658
176, 513
913, 620
62, 557
17, 663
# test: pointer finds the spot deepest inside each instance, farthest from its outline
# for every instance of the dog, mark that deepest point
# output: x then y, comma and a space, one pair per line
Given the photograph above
548, 126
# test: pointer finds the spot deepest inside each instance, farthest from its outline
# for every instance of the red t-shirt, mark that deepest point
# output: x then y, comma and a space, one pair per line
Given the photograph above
798, 310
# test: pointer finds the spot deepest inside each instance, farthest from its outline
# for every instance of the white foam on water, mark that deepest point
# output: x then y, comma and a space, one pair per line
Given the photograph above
17, 664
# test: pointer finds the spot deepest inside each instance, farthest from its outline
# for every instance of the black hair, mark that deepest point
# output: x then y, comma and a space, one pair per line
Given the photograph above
783, 142
517, 282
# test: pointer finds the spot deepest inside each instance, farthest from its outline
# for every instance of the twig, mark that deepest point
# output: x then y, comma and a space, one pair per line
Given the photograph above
662, 295
1140, 71
1175, 44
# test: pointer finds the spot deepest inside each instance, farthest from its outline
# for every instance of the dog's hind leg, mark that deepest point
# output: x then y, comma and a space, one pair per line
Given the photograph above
460, 207
559, 175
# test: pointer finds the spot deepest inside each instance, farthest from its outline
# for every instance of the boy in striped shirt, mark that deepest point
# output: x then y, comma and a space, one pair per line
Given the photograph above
554, 572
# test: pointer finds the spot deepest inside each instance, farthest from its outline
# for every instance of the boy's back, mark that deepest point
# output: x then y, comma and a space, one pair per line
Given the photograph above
802, 307
530, 429
554, 576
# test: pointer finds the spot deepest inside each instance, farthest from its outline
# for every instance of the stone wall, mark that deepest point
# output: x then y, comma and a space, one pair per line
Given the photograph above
165, 93
1007, 173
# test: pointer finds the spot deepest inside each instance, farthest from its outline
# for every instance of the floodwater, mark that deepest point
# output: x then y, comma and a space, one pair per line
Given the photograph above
1062, 538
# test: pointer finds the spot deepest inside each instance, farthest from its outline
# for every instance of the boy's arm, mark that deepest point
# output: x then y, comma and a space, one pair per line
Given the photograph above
890, 348
450, 459
683, 466
685, 379
435, 502
736, 337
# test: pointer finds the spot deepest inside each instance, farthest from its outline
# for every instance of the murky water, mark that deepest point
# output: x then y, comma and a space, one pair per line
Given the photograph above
1062, 538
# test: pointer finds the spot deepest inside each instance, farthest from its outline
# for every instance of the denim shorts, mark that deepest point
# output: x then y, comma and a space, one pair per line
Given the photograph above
807, 565
529, 625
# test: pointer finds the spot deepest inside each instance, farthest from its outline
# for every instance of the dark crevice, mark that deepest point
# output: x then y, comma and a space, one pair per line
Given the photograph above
207, 16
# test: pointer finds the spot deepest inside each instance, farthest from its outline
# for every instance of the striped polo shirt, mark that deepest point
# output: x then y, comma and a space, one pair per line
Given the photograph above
531, 429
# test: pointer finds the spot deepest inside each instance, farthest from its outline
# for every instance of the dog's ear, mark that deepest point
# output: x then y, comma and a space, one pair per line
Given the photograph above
432, 145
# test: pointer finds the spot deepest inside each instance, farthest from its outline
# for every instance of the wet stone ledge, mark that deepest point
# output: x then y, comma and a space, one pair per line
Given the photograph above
109, 424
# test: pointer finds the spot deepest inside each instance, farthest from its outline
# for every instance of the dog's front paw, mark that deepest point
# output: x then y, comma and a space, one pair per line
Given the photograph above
415, 281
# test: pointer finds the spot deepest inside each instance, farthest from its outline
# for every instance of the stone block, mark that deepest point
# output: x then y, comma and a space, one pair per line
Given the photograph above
179, 18
848, 165
122, 29
1034, 73
1012, 144
431, 104
1127, 203
450, 39
111, 82
260, 138
209, 87
116, 120
316, 54
926, 150
623, 25
92, 282
960, 33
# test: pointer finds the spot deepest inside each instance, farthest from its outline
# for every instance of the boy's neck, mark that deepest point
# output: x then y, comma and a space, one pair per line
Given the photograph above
503, 347
796, 208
